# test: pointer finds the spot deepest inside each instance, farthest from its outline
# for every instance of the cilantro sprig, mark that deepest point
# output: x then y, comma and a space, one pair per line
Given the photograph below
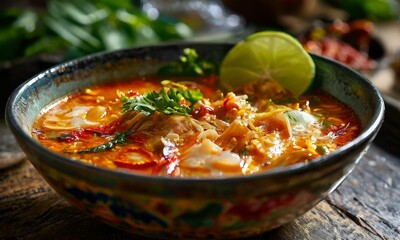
172, 101
189, 64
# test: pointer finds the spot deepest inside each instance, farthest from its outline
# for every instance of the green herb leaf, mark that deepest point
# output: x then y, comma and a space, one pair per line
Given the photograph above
189, 64
119, 139
168, 102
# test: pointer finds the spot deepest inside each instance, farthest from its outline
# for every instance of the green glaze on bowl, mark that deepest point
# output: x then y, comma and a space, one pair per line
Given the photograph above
170, 208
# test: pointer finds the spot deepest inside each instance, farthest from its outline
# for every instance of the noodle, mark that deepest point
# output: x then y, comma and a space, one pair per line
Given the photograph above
224, 134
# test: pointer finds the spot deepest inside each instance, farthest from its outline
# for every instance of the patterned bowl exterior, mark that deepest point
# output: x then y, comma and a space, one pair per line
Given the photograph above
171, 208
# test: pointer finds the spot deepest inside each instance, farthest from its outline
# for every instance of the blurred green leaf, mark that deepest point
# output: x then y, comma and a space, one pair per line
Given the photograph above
28, 21
47, 44
375, 10
10, 40
80, 27
16, 26
114, 39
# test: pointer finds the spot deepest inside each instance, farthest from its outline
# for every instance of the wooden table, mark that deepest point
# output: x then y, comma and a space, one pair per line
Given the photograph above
365, 206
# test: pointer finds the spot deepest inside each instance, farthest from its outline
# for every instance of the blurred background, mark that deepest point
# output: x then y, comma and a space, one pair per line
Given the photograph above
37, 34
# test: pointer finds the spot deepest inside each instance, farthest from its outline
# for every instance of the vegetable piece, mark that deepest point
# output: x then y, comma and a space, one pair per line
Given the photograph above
297, 117
189, 64
119, 139
135, 159
193, 96
75, 135
168, 102
322, 149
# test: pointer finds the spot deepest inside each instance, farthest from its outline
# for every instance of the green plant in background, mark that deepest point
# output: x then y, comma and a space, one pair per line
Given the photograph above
80, 27
375, 10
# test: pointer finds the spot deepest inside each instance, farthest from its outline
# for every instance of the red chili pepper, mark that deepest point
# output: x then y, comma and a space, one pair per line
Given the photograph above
123, 160
201, 111
129, 165
108, 129
210, 79
76, 135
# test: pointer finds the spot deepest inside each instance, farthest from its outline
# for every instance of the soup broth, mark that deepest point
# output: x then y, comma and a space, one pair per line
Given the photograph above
220, 134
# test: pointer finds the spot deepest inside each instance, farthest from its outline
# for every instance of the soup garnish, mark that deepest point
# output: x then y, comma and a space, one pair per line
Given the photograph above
188, 127
175, 99
268, 55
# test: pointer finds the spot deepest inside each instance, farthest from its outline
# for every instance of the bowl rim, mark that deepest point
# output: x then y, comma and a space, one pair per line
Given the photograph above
371, 129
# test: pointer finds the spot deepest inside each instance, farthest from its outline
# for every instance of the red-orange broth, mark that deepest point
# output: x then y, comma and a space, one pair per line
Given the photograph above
224, 134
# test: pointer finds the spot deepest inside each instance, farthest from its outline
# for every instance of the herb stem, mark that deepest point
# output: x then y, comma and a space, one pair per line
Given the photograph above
120, 138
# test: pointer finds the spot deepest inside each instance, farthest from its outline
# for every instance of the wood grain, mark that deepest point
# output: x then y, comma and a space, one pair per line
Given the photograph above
365, 206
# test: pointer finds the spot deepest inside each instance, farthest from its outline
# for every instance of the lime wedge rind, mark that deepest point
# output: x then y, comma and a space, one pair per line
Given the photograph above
269, 54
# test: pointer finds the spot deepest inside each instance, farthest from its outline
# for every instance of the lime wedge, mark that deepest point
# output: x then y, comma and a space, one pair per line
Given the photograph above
268, 55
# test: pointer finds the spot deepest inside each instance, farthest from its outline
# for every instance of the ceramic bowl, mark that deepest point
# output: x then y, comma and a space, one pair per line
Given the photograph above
171, 208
